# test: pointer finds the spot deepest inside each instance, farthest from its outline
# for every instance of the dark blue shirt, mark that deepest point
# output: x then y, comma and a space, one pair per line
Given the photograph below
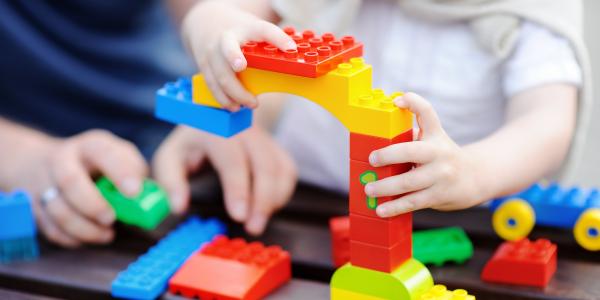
67, 66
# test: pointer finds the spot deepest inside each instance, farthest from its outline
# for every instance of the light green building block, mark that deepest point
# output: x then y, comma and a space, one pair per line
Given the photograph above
437, 246
146, 210
408, 282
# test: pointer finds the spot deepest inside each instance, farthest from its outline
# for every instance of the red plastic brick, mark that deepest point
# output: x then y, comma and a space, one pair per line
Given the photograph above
384, 259
358, 198
379, 231
315, 56
340, 240
232, 269
362, 145
522, 263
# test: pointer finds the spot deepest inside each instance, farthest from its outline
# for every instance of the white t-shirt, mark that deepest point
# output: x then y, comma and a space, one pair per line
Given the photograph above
467, 86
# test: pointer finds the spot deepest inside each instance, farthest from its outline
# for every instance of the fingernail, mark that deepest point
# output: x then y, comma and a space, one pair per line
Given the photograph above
373, 158
239, 211
400, 102
291, 45
256, 225
131, 187
369, 189
238, 64
382, 211
177, 202
107, 218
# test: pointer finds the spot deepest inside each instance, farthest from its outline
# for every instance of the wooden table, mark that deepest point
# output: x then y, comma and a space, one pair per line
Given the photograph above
301, 228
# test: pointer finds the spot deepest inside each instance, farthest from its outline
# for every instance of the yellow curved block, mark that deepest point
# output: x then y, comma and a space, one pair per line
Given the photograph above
345, 92
341, 294
440, 292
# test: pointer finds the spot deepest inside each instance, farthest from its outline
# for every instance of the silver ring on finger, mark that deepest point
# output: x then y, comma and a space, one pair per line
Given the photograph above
49, 195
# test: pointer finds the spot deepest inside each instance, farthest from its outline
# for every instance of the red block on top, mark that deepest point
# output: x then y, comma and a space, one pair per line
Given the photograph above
232, 269
315, 56
340, 240
522, 263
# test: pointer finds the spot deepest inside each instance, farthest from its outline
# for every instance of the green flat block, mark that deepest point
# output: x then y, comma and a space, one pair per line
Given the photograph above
146, 210
438, 246
408, 282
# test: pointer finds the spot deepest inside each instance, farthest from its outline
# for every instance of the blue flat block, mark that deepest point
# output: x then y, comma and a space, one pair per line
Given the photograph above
174, 104
21, 249
16, 216
148, 276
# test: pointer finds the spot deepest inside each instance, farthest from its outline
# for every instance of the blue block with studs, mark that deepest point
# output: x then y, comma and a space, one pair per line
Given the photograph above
17, 228
148, 276
174, 104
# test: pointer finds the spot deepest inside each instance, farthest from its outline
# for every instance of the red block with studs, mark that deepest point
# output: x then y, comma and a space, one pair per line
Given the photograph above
340, 240
229, 269
522, 263
362, 145
385, 232
383, 259
359, 173
315, 55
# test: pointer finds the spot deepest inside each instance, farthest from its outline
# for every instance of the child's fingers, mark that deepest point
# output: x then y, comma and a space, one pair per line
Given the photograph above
230, 46
414, 180
228, 81
216, 89
411, 202
419, 152
427, 118
51, 230
270, 33
170, 171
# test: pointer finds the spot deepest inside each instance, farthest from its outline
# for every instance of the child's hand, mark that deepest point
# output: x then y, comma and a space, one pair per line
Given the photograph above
73, 211
214, 31
257, 176
445, 177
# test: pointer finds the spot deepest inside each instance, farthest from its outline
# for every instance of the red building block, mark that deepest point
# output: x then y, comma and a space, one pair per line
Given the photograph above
379, 231
362, 145
315, 56
359, 203
522, 263
340, 240
384, 259
232, 269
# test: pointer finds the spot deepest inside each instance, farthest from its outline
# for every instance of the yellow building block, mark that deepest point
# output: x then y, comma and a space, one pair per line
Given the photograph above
340, 294
408, 282
440, 292
345, 92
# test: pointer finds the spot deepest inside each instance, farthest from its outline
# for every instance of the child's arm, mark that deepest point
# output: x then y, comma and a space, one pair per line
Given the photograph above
532, 143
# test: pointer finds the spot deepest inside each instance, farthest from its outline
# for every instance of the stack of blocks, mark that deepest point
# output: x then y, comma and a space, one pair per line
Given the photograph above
17, 228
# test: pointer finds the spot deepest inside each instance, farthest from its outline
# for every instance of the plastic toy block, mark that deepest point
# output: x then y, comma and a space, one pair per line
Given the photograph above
147, 277
17, 228
437, 246
174, 104
232, 269
522, 263
345, 92
379, 231
360, 174
314, 56
440, 292
383, 259
409, 281
147, 210
340, 240
362, 145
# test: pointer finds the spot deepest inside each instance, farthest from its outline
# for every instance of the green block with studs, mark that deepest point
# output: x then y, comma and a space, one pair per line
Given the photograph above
147, 210
438, 246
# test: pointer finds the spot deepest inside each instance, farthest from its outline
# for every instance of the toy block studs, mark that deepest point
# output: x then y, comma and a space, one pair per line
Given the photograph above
440, 292
522, 263
17, 228
232, 269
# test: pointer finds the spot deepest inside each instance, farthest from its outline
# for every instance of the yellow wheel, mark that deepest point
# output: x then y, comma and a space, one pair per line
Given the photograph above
513, 219
587, 230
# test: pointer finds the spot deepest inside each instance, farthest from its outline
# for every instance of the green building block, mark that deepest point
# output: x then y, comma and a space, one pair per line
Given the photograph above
437, 246
146, 210
408, 282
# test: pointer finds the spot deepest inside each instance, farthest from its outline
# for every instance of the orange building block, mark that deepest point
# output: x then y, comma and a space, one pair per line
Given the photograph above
359, 204
340, 240
362, 145
383, 259
232, 269
379, 231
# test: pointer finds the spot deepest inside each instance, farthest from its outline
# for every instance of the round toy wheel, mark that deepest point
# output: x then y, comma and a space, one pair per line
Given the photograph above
513, 219
587, 229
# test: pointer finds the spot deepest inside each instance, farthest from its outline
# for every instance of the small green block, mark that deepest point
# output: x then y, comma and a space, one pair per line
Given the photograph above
146, 210
437, 246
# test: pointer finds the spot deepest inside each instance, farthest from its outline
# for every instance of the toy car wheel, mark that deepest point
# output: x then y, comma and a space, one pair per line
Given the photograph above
514, 219
587, 229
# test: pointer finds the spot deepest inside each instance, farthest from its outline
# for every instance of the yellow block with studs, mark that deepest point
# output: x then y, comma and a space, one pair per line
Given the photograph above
440, 292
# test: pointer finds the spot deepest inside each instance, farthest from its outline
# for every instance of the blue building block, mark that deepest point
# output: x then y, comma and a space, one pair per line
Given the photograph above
148, 276
17, 228
554, 205
174, 104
